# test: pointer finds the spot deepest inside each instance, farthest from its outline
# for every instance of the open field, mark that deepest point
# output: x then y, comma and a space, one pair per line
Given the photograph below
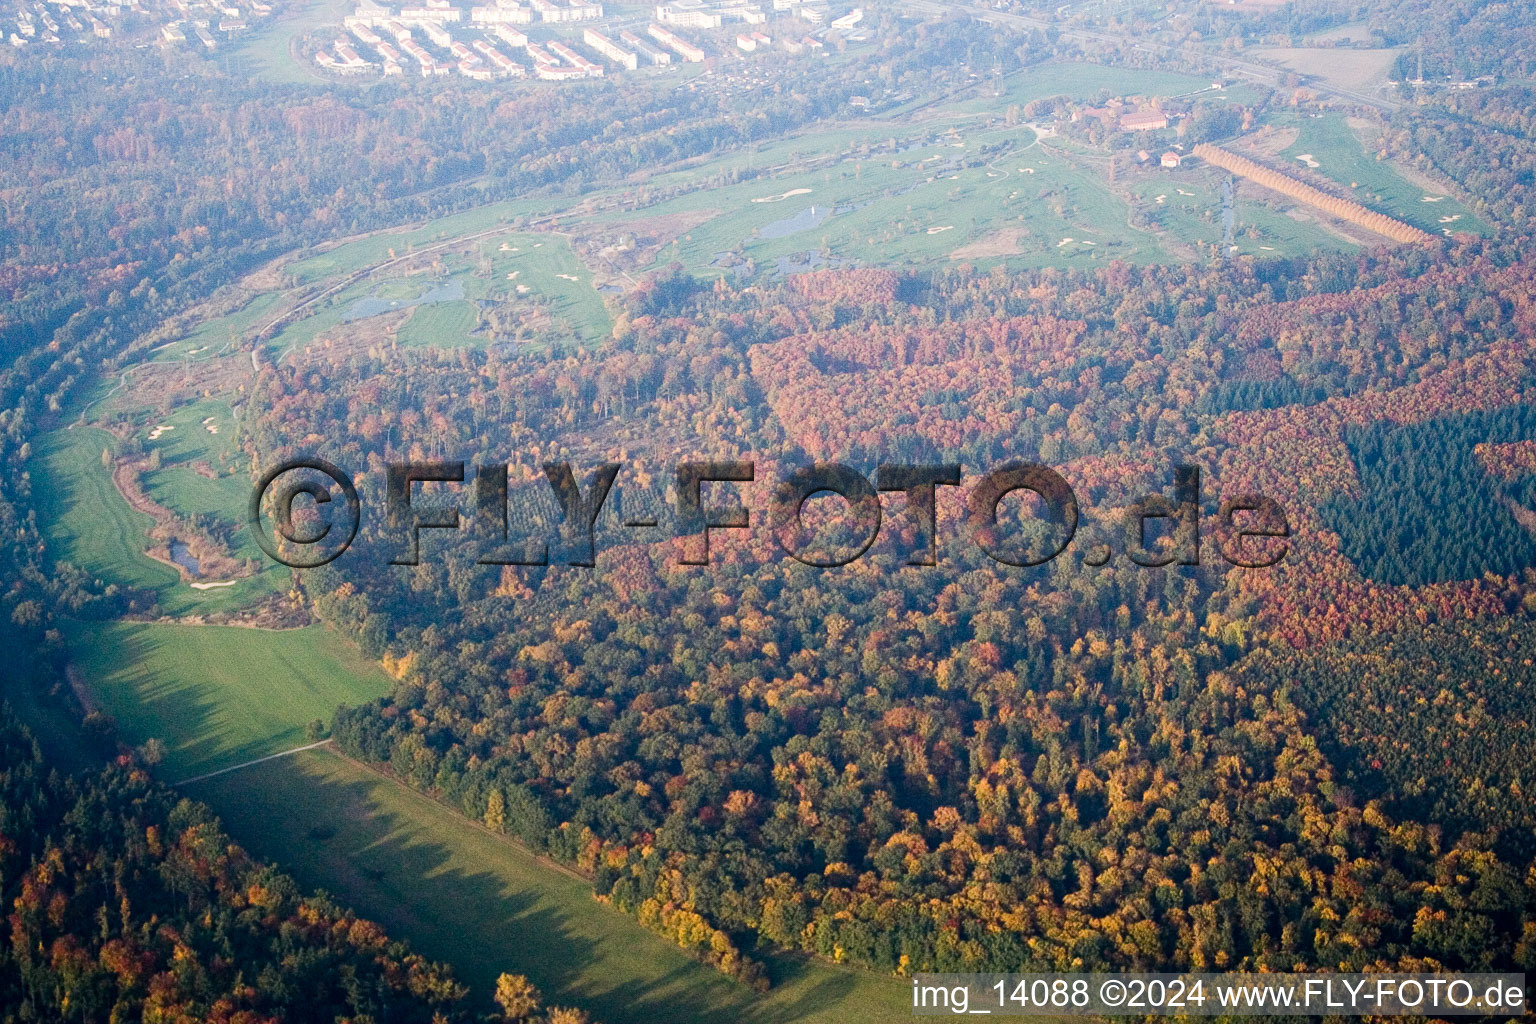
218, 695
872, 190
88, 522
1338, 153
219, 334
92, 526
441, 324
265, 55
362, 252
1362, 71
536, 271
915, 208
203, 435
1189, 207
1079, 81
545, 265
486, 906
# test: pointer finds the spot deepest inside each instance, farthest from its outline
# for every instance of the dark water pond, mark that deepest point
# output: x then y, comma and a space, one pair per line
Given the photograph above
182, 556
806, 219
372, 305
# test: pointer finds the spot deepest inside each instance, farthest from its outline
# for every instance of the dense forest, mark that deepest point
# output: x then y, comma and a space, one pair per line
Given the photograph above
964, 766
126, 903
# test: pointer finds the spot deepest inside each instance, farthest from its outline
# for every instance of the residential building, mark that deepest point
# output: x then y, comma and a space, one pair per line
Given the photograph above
511, 36
688, 14
1143, 121
501, 15
850, 19
647, 53
608, 48
679, 45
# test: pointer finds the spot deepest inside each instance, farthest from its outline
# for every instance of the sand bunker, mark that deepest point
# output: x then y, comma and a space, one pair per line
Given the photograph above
945, 227
783, 196
212, 586
1309, 160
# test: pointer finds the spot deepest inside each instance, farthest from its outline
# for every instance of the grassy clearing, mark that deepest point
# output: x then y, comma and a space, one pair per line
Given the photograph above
486, 906
914, 209
1079, 81
546, 266
265, 55
441, 325
204, 437
221, 334
1340, 67
89, 524
203, 432
363, 252
1190, 211
218, 695
1333, 145
92, 526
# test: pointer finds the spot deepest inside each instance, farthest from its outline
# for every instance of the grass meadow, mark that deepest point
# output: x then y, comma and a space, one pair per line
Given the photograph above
349, 257
88, 523
92, 526
1337, 150
546, 266
917, 208
218, 695
486, 906
265, 53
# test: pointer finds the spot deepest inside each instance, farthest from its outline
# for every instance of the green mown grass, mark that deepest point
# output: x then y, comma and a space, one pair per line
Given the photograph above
221, 334
264, 53
1197, 217
909, 210
1079, 81
539, 260
87, 522
441, 325
487, 906
179, 487
218, 695
1333, 144
363, 252
91, 525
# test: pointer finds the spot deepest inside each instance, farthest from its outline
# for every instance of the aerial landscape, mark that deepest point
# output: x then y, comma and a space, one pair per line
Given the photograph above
842, 495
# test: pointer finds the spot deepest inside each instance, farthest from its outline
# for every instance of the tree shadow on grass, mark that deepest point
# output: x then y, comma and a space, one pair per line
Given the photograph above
468, 898
192, 719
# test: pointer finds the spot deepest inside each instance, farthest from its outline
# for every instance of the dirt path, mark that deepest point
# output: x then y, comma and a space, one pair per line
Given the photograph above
247, 764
